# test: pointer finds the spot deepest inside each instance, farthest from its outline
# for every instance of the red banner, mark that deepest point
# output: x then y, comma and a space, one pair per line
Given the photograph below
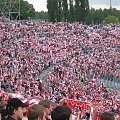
96, 117
76, 103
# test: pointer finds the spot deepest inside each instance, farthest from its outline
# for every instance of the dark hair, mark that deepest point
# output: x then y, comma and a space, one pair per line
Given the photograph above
11, 112
61, 113
46, 103
2, 105
107, 116
36, 111
14, 103
3, 109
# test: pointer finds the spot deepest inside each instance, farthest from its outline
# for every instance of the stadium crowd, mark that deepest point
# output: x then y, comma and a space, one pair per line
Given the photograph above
79, 56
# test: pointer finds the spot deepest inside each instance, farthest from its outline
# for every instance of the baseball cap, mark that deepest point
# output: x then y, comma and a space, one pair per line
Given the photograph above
14, 103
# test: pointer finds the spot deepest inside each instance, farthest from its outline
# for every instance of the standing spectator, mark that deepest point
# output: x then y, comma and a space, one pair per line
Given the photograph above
61, 113
64, 113
15, 109
36, 112
3, 113
47, 104
107, 116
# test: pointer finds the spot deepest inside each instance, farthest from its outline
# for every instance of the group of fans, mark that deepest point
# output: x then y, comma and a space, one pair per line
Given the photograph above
79, 57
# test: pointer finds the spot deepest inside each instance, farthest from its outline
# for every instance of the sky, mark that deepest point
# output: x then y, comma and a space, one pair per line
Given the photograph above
40, 5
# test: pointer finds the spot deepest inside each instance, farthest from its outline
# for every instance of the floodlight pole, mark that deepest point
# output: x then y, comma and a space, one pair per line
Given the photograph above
19, 10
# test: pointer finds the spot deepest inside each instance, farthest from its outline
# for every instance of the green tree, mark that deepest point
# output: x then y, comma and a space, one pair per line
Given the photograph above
91, 16
59, 11
65, 10
27, 10
81, 10
84, 10
41, 15
115, 12
98, 18
106, 12
71, 11
52, 6
50, 13
111, 19
77, 10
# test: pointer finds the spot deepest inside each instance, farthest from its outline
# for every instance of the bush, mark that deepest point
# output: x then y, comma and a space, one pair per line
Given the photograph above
111, 19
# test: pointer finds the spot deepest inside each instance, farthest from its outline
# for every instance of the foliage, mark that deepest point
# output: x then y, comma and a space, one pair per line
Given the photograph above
65, 10
41, 15
78, 10
52, 10
59, 11
111, 19
84, 9
27, 10
97, 16
71, 11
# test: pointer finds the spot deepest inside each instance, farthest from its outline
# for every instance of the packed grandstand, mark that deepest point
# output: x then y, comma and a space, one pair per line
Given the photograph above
76, 57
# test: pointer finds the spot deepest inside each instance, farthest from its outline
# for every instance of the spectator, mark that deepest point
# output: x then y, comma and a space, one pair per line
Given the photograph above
36, 112
47, 104
3, 113
61, 101
79, 60
15, 109
107, 116
61, 113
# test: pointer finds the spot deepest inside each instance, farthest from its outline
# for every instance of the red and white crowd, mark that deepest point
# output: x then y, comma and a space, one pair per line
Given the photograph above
79, 56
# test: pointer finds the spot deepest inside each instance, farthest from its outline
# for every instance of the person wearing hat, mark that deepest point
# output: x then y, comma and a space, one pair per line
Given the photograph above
15, 109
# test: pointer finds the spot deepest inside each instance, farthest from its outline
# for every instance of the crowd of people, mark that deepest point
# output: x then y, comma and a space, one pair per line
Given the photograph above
14, 109
79, 56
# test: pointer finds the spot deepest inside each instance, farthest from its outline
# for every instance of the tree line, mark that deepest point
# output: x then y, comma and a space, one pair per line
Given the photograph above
99, 16
66, 11
80, 11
